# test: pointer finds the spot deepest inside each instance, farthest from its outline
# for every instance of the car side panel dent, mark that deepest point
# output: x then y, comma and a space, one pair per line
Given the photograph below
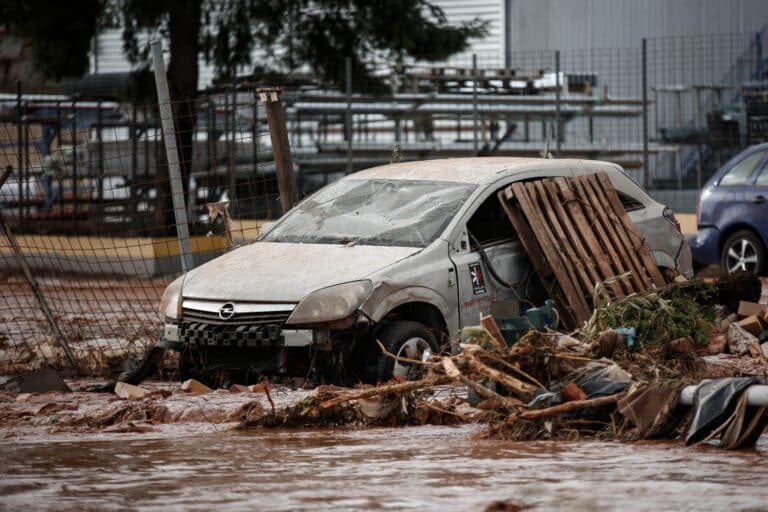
388, 295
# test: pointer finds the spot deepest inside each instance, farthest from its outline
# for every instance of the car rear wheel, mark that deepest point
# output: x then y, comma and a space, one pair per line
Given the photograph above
743, 251
406, 339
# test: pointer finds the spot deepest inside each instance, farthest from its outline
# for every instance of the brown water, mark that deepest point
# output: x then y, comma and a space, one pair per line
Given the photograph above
436, 468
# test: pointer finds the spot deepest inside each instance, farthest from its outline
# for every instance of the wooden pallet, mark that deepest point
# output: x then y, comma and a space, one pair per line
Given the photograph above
580, 241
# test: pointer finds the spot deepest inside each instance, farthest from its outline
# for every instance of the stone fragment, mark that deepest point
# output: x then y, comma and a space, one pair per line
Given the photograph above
130, 392
195, 387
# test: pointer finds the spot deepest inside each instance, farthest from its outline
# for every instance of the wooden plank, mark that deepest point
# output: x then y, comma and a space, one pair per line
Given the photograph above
535, 254
589, 260
536, 189
524, 233
621, 213
622, 239
584, 227
608, 239
575, 301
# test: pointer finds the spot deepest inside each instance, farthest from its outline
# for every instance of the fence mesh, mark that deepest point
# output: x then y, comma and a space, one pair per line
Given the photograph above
89, 206
89, 203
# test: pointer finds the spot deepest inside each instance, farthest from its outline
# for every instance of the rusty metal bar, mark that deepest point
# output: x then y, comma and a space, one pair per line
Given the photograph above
19, 256
172, 153
281, 149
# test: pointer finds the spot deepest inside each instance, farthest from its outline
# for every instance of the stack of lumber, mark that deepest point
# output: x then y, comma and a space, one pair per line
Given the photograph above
581, 242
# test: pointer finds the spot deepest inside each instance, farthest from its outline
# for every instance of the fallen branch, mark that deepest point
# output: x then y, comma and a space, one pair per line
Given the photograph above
519, 388
490, 325
401, 358
570, 406
386, 389
495, 359
450, 368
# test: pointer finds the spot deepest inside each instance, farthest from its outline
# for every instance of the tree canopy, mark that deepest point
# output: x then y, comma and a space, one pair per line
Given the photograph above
317, 34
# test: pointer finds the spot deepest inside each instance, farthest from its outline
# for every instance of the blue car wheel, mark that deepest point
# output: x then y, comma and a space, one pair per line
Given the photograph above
743, 251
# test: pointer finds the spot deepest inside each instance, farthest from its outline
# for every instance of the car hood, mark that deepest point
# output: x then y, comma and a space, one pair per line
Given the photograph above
286, 272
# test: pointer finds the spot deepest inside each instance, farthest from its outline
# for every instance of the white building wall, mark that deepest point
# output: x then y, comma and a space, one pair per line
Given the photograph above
578, 24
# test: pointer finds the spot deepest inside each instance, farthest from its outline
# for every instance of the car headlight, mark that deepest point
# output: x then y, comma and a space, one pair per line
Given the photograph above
332, 303
170, 304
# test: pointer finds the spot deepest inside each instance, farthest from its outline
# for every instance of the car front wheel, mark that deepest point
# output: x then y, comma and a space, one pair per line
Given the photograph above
743, 251
405, 339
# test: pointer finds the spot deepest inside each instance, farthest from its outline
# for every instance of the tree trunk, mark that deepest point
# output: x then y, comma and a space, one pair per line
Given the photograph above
183, 72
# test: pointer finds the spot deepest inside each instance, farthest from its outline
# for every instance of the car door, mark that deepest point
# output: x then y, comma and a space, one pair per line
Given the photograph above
755, 204
490, 228
737, 199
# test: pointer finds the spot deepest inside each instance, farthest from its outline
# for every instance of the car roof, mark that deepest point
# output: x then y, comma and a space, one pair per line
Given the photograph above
471, 169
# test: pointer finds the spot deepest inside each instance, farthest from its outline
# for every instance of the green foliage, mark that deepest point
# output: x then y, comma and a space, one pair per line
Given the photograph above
313, 34
60, 32
681, 309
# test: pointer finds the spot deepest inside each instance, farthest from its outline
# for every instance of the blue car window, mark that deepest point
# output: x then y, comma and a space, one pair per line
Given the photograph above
740, 173
762, 179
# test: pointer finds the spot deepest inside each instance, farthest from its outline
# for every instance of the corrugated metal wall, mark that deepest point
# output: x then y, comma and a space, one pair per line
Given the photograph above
574, 24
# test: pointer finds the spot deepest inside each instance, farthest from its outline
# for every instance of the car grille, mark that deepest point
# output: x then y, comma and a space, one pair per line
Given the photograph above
258, 318
248, 329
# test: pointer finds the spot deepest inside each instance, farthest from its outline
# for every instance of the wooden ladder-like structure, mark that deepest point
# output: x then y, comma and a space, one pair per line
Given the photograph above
580, 241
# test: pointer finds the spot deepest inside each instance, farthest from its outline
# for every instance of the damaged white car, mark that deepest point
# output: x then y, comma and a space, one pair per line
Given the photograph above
406, 254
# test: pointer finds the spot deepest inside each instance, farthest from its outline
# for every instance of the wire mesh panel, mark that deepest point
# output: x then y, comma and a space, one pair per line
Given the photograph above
89, 207
704, 90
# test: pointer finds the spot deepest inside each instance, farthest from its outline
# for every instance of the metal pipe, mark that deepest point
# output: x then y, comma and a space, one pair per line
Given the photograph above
558, 135
348, 118
61, 172
74, 160
646, 170
172, 154
757, 395
475, 119
20, 151
42, 302
100, 141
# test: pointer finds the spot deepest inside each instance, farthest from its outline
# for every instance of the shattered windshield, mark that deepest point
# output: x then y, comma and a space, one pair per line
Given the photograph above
373, 212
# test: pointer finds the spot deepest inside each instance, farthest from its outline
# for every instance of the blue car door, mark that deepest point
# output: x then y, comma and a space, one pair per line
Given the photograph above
756, 201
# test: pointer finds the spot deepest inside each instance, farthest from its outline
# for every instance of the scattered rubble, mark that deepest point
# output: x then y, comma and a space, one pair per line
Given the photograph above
618, 377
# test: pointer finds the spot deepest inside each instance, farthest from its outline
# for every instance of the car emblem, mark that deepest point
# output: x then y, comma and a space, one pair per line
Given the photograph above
227, 311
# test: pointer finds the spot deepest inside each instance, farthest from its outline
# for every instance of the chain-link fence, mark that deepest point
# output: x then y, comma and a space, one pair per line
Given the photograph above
89, 202
88, 212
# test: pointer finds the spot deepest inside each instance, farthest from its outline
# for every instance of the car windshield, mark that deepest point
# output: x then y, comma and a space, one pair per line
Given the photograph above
373, 212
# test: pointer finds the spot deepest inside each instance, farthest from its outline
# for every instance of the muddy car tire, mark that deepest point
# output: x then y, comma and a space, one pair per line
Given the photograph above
406, 339
743, 251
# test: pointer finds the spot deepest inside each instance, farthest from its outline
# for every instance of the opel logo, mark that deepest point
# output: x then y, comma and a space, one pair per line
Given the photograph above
226, 311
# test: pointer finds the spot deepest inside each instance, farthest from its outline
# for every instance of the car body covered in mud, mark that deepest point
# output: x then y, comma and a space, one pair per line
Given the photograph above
391, 254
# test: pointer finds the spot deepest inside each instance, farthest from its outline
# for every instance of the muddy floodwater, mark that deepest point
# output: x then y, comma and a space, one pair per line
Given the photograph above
436, 468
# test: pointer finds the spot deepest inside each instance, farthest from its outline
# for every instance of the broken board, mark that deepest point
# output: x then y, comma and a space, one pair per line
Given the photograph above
580, 241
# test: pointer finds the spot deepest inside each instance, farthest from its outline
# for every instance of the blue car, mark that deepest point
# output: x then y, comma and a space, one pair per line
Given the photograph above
733, 214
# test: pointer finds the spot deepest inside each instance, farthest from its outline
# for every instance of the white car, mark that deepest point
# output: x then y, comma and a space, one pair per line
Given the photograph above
389, 254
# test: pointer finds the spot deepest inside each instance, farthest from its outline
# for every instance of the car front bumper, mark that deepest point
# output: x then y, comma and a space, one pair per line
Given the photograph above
705, 245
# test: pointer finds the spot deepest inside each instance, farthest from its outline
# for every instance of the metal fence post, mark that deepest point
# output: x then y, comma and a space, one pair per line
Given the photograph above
475, 116
100, 142
558, 132
230, 118
74, 160
172, 153
348, 118
20, 152
281, 149
646, 170
22, 263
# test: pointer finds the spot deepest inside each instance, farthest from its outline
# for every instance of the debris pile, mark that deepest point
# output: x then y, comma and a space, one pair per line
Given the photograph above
621, 376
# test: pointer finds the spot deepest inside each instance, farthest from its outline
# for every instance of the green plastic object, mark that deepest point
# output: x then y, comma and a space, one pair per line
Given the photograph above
512, 328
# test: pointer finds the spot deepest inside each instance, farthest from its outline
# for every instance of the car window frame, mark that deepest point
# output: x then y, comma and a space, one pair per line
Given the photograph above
759, 166
759, 169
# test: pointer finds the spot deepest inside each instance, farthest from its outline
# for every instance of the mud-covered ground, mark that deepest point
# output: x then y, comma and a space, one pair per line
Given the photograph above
89, 451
